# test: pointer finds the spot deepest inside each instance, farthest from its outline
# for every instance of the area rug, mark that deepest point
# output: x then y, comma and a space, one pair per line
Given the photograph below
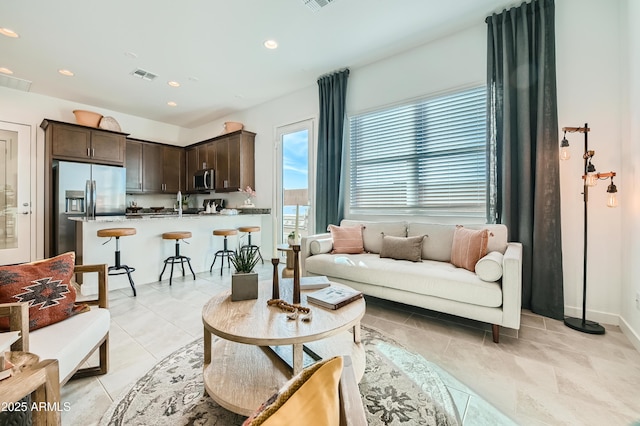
398, 388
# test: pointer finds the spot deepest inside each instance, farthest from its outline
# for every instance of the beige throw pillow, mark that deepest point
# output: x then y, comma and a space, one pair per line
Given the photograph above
402, 248
468, 247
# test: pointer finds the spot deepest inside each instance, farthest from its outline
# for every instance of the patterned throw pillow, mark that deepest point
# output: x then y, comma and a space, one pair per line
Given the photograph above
311, 397
45, 285
347, 239
468, 247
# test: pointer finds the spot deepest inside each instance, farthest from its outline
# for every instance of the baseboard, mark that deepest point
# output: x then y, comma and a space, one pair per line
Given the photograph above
607, 318
631, 334
602, 317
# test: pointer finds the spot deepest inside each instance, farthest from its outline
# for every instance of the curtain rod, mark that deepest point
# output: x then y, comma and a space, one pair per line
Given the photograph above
532, 3
334, 72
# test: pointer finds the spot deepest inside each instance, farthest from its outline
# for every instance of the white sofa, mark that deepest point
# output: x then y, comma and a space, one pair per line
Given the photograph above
434, 283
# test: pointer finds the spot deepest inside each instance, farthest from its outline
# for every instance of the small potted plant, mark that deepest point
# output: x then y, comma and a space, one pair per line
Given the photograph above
293, 238
244, 282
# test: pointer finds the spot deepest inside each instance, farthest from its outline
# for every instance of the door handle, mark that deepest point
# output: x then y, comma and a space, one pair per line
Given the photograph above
26, 212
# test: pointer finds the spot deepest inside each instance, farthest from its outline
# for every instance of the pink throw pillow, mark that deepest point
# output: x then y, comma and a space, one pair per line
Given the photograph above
468, 247
347, 239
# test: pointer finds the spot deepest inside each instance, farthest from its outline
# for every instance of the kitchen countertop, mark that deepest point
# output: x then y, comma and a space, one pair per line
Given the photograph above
147, 250
155, 217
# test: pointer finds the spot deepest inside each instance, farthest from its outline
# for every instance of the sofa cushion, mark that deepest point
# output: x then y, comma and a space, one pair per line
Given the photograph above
311, 397
438, 245
489, 268
321, 245
372, 232
432, 278
469, 245
69, 341
402, 248
45, 286
346, 240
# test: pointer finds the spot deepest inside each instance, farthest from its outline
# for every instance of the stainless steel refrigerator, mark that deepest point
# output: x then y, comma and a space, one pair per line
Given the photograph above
84, 190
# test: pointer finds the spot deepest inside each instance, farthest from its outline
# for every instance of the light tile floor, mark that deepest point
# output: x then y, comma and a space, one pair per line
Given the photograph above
547, 374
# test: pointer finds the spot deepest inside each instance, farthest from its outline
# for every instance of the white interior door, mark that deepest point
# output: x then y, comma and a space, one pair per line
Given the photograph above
295, 178
15, 193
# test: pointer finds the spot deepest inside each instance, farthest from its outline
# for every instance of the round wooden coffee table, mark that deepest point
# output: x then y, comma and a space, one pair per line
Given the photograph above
259, 349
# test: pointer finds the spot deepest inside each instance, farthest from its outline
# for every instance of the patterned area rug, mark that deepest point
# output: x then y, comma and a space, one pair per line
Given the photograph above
398, 387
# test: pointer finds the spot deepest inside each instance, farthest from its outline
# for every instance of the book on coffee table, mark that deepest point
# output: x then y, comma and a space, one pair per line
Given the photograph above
309, 283
334, 297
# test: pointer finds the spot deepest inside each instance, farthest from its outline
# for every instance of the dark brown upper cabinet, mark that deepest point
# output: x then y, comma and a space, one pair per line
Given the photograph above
154, 168
72, 142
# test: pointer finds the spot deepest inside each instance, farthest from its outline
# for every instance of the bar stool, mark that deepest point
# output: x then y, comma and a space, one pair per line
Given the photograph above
224, 252
251, 247
177, 258
117, 233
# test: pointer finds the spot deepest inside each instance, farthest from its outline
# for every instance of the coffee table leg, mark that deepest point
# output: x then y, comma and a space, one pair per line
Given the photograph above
356, 333
207, 353
297, 358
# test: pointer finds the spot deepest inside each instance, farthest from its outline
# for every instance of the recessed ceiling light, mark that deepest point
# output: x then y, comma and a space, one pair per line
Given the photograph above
173, 83
172, 104
192, 78
9, 33
66, 72
271, 44
4, 70
131, 55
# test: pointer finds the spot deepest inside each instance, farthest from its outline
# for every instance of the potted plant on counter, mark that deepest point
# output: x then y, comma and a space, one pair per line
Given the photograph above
244, 282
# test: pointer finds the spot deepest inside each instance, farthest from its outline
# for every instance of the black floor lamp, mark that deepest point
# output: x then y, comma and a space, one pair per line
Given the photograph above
590, 177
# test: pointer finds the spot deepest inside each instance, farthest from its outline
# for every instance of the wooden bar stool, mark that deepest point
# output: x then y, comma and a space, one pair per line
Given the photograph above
224, 252
177, 258
251, 247
118, 267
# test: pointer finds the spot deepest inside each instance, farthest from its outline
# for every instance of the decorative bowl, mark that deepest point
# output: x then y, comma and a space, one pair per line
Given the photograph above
87, 118
232, 126
109, 123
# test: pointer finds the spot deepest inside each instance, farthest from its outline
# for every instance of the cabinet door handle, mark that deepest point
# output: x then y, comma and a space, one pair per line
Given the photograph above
88, 152
139, 185
93, 152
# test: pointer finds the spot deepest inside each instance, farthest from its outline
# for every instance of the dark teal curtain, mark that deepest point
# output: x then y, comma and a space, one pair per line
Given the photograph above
329, 172
524, 187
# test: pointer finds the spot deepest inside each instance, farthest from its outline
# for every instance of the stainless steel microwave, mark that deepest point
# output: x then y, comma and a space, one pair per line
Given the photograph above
204, 179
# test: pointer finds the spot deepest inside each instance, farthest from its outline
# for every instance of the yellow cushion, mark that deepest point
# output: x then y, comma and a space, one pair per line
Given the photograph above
312, 394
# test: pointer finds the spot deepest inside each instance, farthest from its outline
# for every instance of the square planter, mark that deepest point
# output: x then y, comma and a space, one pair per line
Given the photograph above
244, 286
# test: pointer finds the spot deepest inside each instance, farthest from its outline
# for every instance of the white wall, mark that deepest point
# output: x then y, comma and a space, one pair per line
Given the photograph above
630, 308
588, 56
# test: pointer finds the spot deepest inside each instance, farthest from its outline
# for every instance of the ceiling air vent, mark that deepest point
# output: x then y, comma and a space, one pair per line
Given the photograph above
15, 83
145, 75
316, 5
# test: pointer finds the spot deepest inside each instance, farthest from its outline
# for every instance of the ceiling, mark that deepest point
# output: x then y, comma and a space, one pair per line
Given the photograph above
213, 48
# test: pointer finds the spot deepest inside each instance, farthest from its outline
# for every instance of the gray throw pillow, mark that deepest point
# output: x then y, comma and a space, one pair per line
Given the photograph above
401, 248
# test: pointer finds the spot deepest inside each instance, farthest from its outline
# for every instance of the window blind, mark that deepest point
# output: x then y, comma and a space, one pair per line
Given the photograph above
426, 157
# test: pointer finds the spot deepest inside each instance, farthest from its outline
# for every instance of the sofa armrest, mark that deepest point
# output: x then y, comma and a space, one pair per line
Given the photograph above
305, 249
103, 286
18, 314
512, 285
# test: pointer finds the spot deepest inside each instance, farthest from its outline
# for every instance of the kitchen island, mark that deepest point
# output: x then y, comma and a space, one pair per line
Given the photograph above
146, 250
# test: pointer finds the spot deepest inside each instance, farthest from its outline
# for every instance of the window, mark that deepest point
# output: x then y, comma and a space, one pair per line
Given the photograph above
427, 157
